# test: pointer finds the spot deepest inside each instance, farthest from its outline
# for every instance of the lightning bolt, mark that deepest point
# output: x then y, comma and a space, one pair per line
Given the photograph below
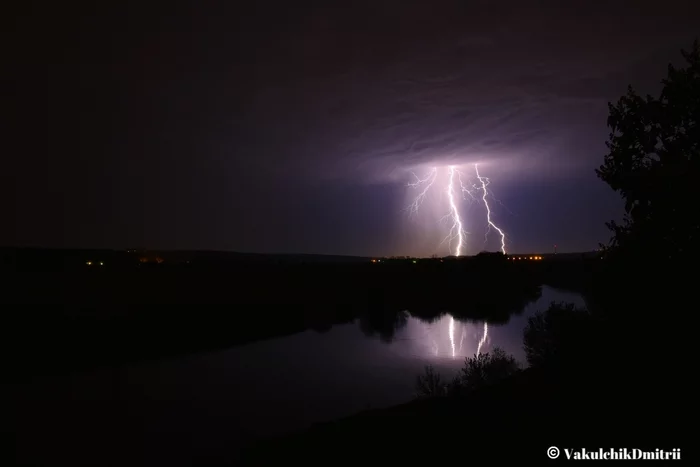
465, 191
456, 230
484, 183
483, 338
457, 182
427, 182
452, 335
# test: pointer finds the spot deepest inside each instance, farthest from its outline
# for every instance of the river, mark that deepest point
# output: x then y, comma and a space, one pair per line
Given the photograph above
207, 406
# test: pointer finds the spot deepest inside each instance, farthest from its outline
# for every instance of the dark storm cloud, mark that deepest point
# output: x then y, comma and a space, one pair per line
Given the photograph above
220, 124
456, 82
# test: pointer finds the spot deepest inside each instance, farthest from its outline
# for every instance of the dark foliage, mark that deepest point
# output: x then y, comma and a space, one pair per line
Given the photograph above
558, 336
430, 384
485, 369
654, 163
478, 372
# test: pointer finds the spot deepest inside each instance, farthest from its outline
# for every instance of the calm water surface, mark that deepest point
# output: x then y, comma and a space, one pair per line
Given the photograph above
213, 403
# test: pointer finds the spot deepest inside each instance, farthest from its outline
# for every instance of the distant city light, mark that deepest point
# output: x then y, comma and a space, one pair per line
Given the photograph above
89, 263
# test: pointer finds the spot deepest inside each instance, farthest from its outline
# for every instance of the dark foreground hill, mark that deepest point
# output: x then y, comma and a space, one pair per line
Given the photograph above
515, 420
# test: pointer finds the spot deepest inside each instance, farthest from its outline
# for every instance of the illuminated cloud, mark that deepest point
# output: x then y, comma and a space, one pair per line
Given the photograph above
518, 92
233, 126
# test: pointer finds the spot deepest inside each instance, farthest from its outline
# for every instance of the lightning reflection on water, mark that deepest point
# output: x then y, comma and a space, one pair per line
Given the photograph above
454, 341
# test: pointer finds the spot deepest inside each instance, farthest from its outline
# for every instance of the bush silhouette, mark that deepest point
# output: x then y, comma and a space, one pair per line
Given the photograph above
560, 334
479, 371
430, 384
485, 369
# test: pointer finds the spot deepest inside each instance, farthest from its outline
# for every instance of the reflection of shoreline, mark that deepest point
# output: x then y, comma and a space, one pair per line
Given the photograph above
431, 339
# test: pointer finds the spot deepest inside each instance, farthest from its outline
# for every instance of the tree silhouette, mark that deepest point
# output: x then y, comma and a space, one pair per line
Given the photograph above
653, 163
559, 336
486, 369
478, 372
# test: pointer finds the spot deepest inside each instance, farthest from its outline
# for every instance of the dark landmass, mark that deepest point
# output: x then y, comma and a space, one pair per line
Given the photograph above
52, 259
80, 316
139, 305
517, 419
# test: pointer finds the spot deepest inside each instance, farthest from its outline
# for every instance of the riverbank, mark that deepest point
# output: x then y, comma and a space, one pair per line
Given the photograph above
210, 405
517, 419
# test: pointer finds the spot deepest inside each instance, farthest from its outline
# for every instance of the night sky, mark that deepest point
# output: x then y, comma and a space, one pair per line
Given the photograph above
294, 127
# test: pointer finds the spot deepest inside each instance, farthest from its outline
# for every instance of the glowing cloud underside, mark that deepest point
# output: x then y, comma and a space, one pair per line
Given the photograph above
457, 182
